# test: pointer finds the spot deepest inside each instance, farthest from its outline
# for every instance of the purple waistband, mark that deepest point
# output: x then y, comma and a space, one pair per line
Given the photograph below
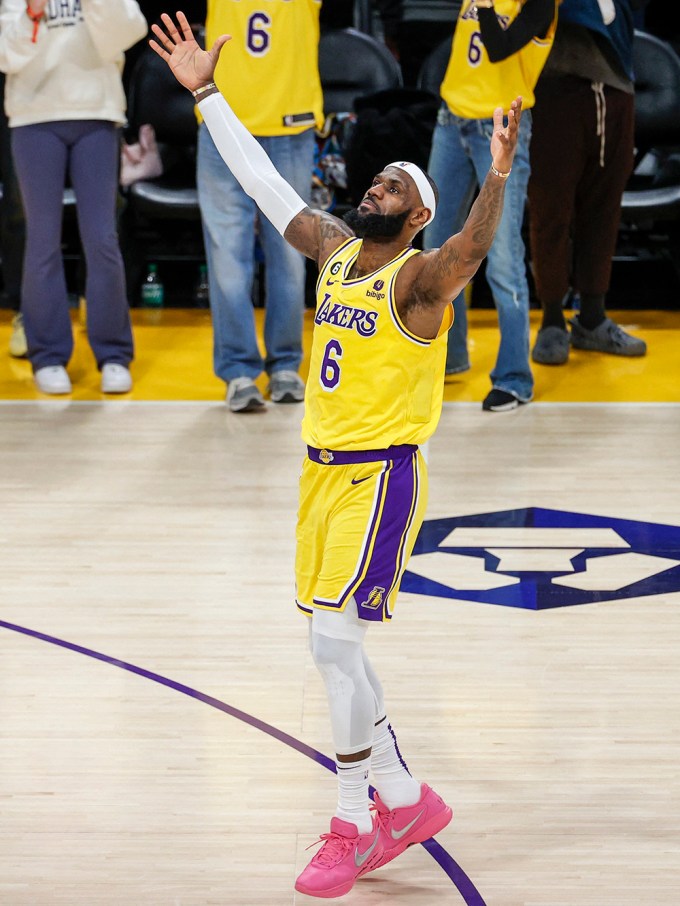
350, 457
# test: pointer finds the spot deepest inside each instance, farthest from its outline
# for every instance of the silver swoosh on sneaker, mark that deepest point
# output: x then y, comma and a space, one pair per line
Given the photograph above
398, 834
360, 858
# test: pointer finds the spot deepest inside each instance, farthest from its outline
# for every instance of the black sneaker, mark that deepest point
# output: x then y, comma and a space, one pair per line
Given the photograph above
500, 401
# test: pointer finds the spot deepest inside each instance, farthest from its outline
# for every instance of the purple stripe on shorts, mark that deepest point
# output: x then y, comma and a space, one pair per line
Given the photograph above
372, 592
351, 457
404, 538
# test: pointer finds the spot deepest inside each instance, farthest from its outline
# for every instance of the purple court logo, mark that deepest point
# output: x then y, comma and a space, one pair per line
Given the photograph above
537, 559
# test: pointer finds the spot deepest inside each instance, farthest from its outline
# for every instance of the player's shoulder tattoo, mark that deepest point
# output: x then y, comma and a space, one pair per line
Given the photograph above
332, 228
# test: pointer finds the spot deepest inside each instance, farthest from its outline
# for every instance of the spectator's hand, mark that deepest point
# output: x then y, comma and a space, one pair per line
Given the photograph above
37, 7
191, 66
504, 138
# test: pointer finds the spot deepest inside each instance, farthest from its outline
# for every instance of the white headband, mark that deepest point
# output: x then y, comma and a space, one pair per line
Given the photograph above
422, 184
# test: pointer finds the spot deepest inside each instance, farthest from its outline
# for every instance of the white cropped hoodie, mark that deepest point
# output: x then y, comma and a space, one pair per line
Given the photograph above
73, 70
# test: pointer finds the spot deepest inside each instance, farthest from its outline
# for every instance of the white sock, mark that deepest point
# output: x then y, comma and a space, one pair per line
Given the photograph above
353, 793
392, 778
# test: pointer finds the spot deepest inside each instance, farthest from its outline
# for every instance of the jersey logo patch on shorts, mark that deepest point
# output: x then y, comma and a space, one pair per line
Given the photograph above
375, 598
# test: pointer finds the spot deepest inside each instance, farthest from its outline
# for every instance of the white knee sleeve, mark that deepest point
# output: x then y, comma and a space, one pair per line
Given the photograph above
351, 699
376, 686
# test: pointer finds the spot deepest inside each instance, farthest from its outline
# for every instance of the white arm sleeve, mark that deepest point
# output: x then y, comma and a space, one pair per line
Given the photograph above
250, 164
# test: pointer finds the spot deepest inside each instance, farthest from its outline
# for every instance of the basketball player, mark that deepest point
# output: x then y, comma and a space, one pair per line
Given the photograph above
374, 395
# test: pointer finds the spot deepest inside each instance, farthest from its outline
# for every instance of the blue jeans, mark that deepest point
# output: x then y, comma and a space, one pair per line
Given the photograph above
459, 162
228, 216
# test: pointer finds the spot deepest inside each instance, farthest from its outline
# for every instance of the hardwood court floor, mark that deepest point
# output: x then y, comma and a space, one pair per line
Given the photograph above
163, 727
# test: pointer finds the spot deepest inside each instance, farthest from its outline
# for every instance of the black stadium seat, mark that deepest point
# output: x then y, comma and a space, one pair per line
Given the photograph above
161, 221
156, 97
650, 213
351, 65
432, 72
657, 131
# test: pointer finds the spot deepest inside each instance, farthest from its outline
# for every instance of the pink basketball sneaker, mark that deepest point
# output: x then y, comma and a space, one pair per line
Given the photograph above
402, 827
345, 856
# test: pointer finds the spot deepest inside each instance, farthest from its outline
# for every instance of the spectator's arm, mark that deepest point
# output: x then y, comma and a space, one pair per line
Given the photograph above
114, 25
16, 33
533, 20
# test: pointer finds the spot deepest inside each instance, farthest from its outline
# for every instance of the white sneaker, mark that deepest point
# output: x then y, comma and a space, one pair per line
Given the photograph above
18, 347
52, 379
116, 378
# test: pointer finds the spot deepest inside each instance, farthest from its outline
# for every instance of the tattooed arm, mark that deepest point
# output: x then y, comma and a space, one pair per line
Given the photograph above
316, 234
439, 275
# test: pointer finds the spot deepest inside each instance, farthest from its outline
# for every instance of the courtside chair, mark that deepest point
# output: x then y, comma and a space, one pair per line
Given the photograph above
353, 64
156, 97
161, 221
650, 214
433, 70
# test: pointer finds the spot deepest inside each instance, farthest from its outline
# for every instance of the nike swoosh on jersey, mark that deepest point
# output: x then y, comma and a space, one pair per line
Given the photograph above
398, 834
360, 858
360, 480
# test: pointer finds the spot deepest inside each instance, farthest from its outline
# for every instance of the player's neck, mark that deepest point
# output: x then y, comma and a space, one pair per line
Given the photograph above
374, 255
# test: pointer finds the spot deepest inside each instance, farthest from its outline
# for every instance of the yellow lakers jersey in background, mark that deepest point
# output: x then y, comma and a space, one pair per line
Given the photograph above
474, 86
269, 71
372, 383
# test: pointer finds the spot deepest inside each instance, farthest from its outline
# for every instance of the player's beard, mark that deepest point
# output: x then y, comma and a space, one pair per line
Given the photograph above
375, 226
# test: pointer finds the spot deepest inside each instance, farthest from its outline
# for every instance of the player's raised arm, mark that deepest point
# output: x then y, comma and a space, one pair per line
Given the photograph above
447, 270
314, 233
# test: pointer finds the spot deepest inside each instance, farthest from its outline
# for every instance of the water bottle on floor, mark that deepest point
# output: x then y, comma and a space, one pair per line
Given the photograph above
153, 291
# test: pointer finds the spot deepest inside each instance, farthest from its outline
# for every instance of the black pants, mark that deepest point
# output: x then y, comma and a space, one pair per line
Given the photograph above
577, 180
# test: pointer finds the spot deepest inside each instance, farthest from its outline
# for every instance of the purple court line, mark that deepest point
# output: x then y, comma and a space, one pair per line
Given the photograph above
447, 863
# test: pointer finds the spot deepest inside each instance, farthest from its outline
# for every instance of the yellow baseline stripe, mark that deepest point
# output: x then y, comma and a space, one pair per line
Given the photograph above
174, 362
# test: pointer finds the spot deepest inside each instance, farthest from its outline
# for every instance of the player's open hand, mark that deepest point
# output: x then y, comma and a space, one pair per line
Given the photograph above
191, 66
504, 138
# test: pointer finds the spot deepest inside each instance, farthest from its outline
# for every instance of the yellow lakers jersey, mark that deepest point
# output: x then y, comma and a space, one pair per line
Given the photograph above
372, 383
269, 71
474, 86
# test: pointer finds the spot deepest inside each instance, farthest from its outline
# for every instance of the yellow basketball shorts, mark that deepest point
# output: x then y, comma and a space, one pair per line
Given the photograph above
358, 521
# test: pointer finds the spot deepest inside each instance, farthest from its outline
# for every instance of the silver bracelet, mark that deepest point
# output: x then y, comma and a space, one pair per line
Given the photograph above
203, 89
499, 174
